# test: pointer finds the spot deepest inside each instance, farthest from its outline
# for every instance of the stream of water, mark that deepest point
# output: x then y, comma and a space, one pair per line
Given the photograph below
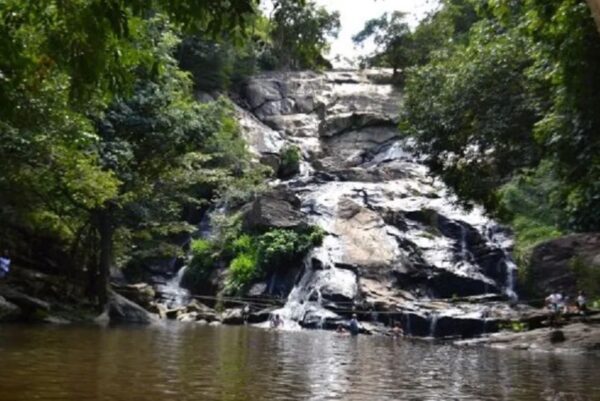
193, 362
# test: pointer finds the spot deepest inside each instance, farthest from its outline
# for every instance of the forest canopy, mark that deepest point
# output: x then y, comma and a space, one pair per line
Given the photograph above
503, 99
105, 153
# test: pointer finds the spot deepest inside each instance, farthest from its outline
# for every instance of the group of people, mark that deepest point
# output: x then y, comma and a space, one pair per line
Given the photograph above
558, 303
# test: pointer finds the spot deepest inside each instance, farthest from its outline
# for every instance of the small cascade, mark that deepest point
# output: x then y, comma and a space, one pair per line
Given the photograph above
173, 294
511, 272
500, 240
433, 324
304, 304
465, 254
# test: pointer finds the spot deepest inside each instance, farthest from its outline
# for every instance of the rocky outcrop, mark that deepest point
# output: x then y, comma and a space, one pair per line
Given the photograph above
553, 264
274, 209
577, 337
122, 310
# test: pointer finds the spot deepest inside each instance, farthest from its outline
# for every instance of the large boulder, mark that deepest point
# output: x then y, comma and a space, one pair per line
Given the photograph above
122, 310
275, 209
553, 264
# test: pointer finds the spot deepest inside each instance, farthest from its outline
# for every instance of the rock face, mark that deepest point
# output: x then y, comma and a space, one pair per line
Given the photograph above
397, 241
275, 209
553, 263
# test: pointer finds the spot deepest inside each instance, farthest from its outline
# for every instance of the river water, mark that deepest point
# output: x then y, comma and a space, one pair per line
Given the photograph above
192, 362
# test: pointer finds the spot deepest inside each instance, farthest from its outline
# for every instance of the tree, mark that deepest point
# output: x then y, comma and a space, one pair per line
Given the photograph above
392, 36
61, 65
300, 33
507, 104
471, 114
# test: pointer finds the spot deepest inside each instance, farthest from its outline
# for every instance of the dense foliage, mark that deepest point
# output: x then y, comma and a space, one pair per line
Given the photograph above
503, 98
249, 256
106, 157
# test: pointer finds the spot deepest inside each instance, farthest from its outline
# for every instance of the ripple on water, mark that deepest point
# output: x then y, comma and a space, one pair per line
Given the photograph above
190, 362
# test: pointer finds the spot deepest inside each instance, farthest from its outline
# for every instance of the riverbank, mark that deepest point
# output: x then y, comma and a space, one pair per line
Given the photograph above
35, 298
571, 338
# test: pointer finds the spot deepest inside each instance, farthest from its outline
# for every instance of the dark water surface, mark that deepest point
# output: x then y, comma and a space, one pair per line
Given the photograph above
191, 362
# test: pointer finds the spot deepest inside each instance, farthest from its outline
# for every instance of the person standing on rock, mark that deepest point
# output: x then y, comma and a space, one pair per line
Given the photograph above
4, 264
581, 303
353, 326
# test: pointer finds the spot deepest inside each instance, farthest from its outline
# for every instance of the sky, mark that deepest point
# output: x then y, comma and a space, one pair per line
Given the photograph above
354, 14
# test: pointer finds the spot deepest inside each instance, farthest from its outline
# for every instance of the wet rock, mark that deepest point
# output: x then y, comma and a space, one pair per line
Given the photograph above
262, 315
122, 310
233, 316
363, 236
201, 311
275, 209
552, 263
271, 160
578, 337
557, 336
8, 311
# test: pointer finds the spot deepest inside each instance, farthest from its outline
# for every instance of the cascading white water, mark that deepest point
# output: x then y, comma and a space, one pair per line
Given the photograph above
175, 296
356, 173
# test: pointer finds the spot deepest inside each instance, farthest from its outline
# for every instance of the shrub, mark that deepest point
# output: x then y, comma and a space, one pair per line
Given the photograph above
290, 162
242, 270
203, 261
281, 247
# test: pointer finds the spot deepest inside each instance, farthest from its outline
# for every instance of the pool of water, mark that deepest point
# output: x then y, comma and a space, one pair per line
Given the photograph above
192, 362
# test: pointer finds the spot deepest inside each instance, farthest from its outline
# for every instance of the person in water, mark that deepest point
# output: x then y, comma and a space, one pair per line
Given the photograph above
397, 330
353, 326
276, 322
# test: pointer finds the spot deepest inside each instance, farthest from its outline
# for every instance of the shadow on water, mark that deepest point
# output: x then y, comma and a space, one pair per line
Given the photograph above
190, 362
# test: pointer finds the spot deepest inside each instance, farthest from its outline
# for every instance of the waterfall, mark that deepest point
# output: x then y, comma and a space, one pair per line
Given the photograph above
174, 294
383, 212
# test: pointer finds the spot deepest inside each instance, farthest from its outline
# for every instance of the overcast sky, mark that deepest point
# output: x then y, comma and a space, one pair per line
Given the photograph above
354, 14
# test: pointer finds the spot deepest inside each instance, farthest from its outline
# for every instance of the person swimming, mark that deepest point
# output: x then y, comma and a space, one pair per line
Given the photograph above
276, 321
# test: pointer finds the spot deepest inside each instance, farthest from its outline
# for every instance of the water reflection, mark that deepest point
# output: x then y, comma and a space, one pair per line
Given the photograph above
189, 362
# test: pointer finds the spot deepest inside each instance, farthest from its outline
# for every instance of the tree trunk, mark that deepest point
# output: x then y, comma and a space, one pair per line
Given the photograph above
595, 8
105, 231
